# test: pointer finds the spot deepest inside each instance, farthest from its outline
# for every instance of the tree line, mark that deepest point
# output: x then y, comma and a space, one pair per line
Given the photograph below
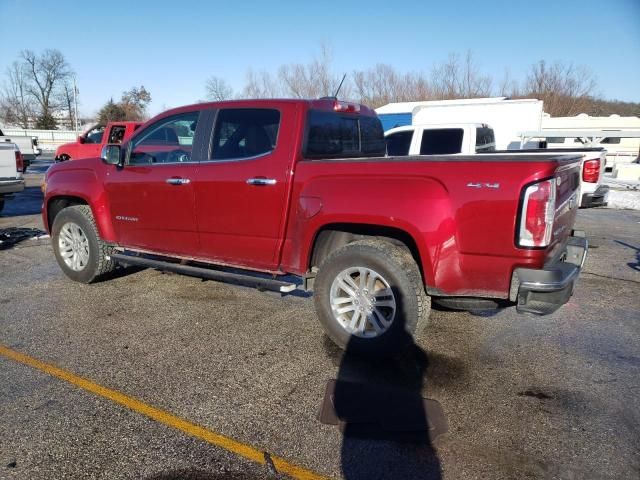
565, 88
38, 89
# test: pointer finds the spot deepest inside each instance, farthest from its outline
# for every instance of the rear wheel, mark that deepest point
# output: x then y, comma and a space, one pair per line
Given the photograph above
1, 203
79, 250
370, 298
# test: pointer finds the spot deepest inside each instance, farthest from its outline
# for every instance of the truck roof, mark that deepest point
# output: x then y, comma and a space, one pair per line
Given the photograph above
325, 103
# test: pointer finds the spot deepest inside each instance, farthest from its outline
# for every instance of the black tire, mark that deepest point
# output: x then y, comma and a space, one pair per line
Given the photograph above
97, 264
64, 157
1, 203
399, 269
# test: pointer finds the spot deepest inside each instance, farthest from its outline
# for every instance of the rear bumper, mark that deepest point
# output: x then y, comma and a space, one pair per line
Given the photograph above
544, 291
598, 198
11, 186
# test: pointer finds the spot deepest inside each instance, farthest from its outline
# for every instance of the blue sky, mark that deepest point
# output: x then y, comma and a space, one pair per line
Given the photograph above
172, 47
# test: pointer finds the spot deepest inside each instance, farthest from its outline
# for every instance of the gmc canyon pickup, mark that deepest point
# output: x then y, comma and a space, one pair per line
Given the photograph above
286, 194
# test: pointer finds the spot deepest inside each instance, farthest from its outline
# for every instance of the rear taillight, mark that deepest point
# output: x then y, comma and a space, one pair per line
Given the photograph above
591, 171
538, 212
19, 162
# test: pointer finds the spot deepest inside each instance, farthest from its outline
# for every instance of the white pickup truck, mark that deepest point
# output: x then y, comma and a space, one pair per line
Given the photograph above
11, 165
28, 147
479, 138
440, 139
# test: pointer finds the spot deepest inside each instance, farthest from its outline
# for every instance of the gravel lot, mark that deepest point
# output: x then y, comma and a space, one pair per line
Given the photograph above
546, 397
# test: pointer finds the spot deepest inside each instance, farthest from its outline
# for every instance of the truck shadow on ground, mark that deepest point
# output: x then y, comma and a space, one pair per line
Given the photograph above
388, 427
634, 265
27, 202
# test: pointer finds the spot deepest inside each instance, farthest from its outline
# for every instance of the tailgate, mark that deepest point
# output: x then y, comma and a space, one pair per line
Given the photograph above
8, 161
567, 190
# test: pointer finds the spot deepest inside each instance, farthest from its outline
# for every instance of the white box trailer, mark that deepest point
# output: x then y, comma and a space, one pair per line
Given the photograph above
507, 117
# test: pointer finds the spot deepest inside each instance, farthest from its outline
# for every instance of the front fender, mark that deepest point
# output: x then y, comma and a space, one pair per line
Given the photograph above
81, 180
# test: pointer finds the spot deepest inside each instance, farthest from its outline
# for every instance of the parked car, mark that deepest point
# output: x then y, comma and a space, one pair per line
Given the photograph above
27, 145
470, 138
11, 167
302, 188
440, 139
90, 143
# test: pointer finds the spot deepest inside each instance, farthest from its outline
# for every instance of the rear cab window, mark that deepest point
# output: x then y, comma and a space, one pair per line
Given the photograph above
485, 140
333, 134
245, 133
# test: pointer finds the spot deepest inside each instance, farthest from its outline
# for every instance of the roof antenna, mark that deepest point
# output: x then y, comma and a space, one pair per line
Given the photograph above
335, 95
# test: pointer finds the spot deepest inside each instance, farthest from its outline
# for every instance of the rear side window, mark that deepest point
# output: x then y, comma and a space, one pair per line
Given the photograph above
117, 134
331, 134
398, 143
245, 133
441, 141
485, 140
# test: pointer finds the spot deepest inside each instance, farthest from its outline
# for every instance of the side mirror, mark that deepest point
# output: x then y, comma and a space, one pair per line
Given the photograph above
111, 154
81, 139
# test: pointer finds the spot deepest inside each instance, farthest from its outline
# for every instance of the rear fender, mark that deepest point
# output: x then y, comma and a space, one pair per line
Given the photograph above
417, 206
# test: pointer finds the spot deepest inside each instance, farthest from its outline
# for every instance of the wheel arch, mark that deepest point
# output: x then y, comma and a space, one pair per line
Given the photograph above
333, 236
56, 204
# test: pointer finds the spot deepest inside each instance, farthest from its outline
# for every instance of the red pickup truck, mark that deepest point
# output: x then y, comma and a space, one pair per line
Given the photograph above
286, 194
90, 143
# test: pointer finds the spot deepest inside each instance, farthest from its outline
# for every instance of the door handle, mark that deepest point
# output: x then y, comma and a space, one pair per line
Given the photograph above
178, 181
260, 181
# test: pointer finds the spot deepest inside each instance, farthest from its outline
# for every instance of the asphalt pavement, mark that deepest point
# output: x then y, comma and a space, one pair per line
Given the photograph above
523, 397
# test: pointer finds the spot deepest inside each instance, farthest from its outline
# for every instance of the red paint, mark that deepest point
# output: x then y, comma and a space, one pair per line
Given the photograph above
465, 237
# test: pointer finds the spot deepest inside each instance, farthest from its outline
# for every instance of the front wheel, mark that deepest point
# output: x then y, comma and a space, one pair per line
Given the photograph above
64, 157
79, 250
370, 298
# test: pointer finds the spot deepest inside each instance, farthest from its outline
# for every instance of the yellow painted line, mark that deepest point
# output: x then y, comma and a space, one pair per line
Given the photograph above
229, 444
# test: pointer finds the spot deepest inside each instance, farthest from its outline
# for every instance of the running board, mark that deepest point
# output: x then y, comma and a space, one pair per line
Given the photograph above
210, 274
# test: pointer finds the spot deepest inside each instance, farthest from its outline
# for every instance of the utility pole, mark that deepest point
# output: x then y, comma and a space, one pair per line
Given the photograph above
75, 101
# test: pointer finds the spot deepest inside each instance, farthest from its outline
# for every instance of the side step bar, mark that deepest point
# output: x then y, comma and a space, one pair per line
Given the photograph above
210, 274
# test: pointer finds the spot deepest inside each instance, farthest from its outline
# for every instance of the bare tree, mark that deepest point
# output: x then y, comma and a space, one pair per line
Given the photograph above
48, 73
312, 80
16, 104
382, 84
508, 86
565, 89
218, 89
260, 85
459, 79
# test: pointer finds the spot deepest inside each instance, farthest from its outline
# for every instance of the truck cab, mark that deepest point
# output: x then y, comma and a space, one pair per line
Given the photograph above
90, 143
440, 139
